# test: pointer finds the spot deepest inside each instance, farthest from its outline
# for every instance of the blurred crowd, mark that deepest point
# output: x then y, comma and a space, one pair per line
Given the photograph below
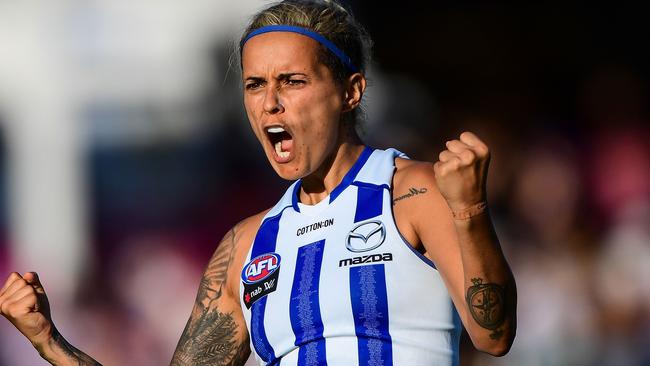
569, 189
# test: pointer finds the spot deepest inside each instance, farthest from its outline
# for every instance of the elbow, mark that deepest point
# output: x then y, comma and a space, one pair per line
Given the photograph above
497, 348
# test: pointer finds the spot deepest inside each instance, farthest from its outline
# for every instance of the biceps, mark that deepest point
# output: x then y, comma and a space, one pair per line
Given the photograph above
216, 332
449, 264
214, 336
438, 236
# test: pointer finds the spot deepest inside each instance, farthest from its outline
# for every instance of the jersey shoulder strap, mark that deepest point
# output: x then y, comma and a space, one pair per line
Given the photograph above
379, 168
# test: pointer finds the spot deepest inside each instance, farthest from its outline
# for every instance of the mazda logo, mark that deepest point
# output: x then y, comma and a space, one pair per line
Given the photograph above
366, 236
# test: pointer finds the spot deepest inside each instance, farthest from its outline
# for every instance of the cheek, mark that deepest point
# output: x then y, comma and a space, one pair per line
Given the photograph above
327, 125
249, 106
251, 114
324, 112
319, 127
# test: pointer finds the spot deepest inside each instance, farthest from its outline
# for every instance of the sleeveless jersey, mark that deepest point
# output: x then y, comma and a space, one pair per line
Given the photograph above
336, 283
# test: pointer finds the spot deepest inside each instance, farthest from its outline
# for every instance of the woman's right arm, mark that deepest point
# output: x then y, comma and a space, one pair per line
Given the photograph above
215, 334
24, 303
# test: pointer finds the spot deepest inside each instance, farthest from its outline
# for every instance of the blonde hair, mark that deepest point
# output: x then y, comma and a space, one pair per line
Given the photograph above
329, 19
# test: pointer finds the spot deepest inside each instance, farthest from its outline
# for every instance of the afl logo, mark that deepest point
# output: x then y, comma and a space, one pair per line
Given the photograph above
260, 267
366, 236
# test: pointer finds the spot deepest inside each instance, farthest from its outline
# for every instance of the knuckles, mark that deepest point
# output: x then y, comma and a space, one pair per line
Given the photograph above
20, 284
467, 157
444, 169
482, 151
14, 312
467, 152
32, 297
442, 155
6, 309
15, 308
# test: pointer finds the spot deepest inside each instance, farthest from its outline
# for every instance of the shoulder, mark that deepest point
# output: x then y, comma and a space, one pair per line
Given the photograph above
411, 175
244, 231
234, 248
408, 170
415, 193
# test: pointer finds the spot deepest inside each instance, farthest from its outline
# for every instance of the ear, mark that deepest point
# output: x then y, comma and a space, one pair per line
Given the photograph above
355, 85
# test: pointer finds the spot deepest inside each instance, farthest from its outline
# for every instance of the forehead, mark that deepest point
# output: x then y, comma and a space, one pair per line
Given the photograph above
279, 51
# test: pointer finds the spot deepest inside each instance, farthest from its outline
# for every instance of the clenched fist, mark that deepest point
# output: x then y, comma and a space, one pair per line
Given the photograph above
461, 171
24, 303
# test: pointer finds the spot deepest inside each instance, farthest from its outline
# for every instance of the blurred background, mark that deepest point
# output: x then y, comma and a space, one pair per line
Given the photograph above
125, 156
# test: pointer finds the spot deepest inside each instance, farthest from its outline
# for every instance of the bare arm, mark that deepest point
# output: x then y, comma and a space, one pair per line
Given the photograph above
465, 248
24, 303
216, 332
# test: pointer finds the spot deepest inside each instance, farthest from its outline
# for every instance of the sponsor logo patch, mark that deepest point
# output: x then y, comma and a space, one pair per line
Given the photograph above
260, 277
315, 226
382, 257
366, 236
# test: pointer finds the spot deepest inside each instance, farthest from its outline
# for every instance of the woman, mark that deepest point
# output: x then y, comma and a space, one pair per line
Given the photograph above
369, 258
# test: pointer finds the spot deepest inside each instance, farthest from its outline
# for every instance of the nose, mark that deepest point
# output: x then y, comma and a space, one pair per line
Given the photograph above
272, 102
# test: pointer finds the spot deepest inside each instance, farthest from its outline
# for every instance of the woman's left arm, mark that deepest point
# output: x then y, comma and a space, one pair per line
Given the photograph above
452, 223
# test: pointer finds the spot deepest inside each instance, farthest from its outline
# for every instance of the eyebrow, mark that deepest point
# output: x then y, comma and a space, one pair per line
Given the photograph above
254, 78
282, 76
287, 75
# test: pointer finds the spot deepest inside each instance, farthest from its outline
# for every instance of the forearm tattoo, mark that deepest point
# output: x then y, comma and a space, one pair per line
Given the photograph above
486, 302
210, 336
71, 351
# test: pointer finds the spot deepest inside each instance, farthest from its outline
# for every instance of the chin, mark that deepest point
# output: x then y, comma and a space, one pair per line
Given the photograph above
287, 172
290, 170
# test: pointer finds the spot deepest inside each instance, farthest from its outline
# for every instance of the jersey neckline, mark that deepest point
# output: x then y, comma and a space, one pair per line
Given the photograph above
345, 182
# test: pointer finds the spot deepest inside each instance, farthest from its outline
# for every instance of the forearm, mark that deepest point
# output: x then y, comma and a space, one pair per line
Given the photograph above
489, 286
57, 351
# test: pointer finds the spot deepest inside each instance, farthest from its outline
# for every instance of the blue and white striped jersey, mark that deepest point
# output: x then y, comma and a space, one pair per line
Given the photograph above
335, 283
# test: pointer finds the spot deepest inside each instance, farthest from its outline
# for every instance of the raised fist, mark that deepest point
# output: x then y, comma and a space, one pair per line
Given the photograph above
24, 303
461, 171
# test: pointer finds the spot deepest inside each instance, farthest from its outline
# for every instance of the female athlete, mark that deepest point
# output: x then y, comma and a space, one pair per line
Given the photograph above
368, 259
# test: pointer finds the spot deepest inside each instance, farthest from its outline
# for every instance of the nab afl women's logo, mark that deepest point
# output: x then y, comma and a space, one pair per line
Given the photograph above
260, 268
260, 277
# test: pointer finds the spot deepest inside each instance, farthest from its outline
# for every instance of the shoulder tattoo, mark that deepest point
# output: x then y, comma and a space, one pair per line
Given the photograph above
411, 193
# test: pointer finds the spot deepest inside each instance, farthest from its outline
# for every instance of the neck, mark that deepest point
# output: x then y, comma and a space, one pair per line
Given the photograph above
318, 185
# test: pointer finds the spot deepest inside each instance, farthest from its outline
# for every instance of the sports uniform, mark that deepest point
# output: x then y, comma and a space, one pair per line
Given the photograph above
335, 283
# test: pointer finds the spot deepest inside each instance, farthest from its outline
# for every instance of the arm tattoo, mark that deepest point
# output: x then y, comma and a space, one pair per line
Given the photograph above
486, 304
412, 192
71, 351
214, 278
210, 340
210, 336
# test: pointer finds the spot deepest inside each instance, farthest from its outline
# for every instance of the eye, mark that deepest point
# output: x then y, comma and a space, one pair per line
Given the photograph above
295, 82
253, 85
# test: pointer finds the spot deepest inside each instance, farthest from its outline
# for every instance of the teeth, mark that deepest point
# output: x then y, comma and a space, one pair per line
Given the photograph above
278, 150
275, 129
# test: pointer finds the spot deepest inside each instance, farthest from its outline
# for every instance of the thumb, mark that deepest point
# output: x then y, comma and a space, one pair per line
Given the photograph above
32, 279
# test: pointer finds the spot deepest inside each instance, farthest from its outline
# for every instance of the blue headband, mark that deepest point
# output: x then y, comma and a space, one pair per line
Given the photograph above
347, 61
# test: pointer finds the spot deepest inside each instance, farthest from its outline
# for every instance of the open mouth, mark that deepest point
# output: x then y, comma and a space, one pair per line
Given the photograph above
281, 140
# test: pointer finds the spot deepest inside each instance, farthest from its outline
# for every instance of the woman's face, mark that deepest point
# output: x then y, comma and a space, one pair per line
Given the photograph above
292, 101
